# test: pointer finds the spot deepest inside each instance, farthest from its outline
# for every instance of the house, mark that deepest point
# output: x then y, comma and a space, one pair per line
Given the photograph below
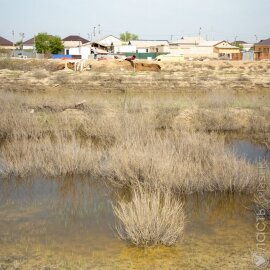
263, 46
122, 49
6, 44
73, 42
76, 45
244, 46
86, 51
29, 44
262, 49
187, 42
178, 46
108, 41
143, 46
161, 49
218, 48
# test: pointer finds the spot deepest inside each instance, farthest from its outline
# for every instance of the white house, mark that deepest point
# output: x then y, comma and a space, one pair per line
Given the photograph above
29, 44
87, 51
143, 46
125, 49
108, 41
187, 42
73, 42
216, 48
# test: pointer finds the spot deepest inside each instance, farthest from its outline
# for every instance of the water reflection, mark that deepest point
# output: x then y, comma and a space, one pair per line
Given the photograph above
253, 153
68, 223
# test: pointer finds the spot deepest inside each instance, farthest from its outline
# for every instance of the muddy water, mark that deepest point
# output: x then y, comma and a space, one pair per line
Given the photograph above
69, 224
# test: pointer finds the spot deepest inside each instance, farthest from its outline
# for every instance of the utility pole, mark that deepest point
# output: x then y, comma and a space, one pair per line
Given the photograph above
22, 37
99, 29
94, 32
13, 41
34, 48
256, 38
200, 30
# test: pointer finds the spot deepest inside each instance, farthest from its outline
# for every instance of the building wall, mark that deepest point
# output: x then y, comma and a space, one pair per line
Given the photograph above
125, 49
7, 47
226, 50
143, 50
28, 47
262, 48
83, 51
200, 51
71, 44
160, 49
261, 56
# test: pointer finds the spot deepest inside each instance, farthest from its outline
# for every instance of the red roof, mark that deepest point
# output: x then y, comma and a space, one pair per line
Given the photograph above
5, 42
76, 38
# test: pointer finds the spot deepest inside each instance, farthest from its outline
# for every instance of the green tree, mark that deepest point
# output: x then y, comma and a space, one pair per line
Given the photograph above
126, 36
56, 45
46, 43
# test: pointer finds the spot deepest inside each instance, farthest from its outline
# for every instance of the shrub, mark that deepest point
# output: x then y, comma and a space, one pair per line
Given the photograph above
152, 217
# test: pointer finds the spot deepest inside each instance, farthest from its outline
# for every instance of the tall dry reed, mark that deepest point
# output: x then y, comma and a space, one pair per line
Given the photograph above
152, 217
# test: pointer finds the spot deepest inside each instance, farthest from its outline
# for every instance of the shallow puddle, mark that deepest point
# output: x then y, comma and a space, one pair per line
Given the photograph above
252, 152
69, 224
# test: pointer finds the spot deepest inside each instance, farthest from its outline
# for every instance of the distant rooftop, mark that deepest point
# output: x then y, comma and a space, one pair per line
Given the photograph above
264, 42
5, 42
210, 43
29, 41
75, 38
188, 40
239, 42
148, 43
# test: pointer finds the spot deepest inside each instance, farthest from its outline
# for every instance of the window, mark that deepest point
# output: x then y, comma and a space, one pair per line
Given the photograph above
147, 50
67, 52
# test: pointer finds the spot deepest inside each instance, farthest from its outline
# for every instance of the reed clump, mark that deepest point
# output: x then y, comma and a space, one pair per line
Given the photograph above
128, 142
152, 217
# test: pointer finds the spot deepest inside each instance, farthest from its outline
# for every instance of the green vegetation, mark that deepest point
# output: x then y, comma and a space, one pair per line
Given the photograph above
46, 43
127, 36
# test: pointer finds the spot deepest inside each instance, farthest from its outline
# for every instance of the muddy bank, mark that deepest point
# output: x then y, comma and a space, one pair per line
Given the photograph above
120, 76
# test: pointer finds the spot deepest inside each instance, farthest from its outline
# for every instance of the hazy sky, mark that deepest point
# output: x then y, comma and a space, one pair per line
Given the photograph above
150, 19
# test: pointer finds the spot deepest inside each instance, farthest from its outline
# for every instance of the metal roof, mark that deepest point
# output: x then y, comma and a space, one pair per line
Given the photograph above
188, 40
29, 41
264, 42
5, 42
75, 38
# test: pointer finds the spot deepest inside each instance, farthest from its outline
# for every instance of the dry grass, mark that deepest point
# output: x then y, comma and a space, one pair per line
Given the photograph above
125, 149
152, 217
27, 65
190, 162
176, 141
111, 76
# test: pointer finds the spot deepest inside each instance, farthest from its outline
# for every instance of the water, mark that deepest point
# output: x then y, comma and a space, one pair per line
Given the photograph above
69, 224
252, 152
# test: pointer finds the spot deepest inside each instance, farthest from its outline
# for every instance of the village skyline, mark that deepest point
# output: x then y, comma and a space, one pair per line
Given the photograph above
149, 19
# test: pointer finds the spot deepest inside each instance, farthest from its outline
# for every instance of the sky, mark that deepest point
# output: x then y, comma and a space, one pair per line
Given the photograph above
150, 19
